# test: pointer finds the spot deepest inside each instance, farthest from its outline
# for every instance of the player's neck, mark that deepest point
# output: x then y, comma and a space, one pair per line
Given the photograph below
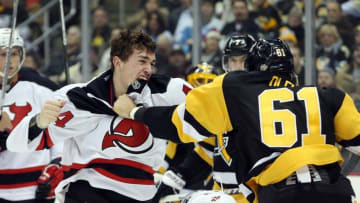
119, 87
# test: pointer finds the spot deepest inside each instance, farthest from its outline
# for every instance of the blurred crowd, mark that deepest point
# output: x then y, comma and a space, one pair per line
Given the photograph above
170, 24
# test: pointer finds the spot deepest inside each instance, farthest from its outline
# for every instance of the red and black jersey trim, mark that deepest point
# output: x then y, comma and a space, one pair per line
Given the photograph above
18, 178
121, 170
45, 142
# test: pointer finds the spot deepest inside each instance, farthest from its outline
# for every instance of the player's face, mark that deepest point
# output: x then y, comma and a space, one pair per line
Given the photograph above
14, 59
237, 63
138, 66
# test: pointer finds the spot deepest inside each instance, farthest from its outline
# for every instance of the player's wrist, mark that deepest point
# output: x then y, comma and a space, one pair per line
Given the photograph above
133, 112
39, 124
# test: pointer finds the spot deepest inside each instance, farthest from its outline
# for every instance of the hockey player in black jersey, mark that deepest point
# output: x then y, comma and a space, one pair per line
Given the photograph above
211, 155
288, 133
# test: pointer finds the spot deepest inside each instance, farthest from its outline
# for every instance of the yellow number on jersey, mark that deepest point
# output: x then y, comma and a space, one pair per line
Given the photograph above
287, 119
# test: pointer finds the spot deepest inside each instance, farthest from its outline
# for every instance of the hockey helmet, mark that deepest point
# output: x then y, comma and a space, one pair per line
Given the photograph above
201, 74
208, 196
16, 42
272, 55
237, 45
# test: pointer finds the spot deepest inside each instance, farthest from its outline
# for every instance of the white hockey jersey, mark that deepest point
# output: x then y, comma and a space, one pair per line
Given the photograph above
106, 150
19, 171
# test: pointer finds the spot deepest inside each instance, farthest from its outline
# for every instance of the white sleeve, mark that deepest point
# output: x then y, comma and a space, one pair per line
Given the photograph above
72, 122
176, 91
18, 138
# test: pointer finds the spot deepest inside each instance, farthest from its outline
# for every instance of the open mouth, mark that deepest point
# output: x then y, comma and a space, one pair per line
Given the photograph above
143, 77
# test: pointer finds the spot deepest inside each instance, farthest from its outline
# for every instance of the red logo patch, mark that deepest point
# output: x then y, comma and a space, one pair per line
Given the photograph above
128, 135
20, 112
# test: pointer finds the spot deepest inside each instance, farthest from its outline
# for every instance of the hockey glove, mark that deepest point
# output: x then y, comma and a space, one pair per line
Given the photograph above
171, 183
51, 176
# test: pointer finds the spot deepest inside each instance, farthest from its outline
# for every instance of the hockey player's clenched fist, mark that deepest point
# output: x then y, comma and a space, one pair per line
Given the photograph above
49, 113
123, 105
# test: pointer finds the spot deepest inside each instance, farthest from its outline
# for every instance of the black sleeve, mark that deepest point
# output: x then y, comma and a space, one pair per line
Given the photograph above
158, 119
34, 130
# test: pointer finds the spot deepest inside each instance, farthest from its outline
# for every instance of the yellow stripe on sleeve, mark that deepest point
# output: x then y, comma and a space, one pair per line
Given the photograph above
202, 154
207, 105
210, 141
347, 120
176, 120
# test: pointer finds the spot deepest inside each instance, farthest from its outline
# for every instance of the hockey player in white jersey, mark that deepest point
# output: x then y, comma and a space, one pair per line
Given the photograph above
24, 177
108, 158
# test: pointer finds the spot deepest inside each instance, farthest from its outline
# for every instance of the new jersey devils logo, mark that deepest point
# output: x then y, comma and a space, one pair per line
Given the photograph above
129, 135
20, 112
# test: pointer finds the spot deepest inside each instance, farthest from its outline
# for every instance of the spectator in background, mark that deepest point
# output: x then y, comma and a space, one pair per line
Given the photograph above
105, 62
357, 34
73, 50
326, 78
336, 17
295, 24
138, 19
331, 52
266, 16
351, 9
348, 77
178, 65
163, 51
183, 32
355, 64
298, 64
30, 71
212, 53
175, 14
283, 6
6, 10
155, 25
288, 36
242, 23
101, 30
33, 61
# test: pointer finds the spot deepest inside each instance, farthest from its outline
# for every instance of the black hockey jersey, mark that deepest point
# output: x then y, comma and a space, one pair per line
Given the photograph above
281, 127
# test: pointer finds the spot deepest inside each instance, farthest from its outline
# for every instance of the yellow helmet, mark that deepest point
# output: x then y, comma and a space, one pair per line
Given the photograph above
201, 74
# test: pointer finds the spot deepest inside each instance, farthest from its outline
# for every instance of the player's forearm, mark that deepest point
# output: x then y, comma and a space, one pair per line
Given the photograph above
158, 119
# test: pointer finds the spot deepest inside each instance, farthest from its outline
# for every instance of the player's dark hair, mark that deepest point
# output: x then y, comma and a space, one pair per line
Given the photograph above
128, 41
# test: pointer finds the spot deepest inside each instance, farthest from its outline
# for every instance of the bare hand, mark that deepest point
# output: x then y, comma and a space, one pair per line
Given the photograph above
123, 106
5, 122
49, 113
